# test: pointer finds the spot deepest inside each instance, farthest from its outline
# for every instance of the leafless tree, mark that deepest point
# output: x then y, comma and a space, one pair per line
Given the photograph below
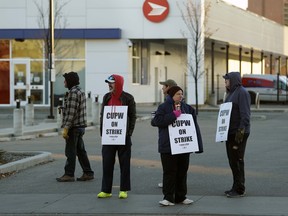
60, 22
194, 14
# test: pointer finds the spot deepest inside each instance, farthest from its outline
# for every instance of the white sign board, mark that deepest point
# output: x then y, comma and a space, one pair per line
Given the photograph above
223, 122
114, 125
183, 136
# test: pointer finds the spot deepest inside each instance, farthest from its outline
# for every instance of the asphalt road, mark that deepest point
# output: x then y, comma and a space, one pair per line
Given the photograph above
209, 174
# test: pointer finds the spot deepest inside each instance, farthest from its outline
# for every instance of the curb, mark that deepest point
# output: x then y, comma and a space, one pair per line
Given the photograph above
38, 158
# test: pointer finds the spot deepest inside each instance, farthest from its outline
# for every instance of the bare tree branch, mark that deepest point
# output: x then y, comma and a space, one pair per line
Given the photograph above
196, 26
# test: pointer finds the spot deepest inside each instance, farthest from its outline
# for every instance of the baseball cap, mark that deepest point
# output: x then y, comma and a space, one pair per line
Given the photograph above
110, 79
168, 82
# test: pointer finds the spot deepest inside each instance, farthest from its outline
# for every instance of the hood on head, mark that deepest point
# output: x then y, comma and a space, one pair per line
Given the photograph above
72, 79
119, 82
235, 80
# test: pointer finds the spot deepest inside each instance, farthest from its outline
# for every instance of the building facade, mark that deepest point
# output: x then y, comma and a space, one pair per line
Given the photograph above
271, 9
145, 41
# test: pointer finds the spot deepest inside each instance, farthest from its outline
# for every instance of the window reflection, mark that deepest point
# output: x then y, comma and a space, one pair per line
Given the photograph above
20, 74
70, 49
4, 49
36, 75
65, 67
27, 49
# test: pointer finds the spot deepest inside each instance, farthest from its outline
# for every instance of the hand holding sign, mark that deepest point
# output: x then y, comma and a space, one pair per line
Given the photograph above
177, 111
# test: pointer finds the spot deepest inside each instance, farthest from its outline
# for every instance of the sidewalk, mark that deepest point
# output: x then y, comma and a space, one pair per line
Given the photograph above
142, 205
71, 203
44, 127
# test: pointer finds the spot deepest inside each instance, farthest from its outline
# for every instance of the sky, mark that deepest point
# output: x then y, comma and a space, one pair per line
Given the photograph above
239, 3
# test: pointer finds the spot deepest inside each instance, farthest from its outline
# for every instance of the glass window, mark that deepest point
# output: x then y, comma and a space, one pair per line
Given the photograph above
140, 62
4, 49
62, 67
36, 73
27, 49
4, 82
70, 49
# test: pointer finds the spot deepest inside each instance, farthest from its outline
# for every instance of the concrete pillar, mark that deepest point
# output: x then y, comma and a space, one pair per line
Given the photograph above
96, 112
89, 105
29, 113
18, 119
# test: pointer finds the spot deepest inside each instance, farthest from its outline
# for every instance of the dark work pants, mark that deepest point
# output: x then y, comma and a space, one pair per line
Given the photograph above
108, 161
175, 169
75, 147
235, 153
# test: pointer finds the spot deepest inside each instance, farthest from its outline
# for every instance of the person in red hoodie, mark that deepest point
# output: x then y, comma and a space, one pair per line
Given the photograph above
117, 97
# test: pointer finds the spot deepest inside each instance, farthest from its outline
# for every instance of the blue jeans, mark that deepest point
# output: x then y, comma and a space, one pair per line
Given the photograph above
75, 147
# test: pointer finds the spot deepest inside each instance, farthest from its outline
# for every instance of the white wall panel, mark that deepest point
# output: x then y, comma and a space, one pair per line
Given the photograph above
12, 18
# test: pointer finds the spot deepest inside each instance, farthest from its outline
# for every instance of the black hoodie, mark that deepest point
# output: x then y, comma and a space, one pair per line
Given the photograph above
241, 101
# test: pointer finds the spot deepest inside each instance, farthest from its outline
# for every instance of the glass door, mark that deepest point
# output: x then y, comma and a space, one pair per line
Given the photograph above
36, 82
20, 74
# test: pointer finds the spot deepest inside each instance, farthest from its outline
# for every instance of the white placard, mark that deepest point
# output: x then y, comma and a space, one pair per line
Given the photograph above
183, 136
223, 122
114, 125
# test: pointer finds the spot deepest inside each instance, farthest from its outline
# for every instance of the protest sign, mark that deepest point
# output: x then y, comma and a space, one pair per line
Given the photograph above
223, 122
183, 136
114, 125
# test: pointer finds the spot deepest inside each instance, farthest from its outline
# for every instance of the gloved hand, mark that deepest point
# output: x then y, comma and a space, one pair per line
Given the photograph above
177, 113
239, 135
65, 133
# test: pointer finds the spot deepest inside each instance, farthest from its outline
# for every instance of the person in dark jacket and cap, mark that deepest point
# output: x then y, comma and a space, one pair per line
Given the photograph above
73, 123
239, 130
175, 167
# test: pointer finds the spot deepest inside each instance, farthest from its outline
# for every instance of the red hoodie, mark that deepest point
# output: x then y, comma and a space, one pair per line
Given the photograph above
115, 96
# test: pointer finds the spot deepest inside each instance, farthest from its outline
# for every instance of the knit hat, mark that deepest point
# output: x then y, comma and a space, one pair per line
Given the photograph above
72, 79
172, 91
169, 82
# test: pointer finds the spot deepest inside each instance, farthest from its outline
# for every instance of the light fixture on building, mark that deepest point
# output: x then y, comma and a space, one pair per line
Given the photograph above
246, 52
222, 48
167, 53
19, 39
158, 53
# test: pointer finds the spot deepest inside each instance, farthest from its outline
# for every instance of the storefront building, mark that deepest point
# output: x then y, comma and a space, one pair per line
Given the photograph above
144, 41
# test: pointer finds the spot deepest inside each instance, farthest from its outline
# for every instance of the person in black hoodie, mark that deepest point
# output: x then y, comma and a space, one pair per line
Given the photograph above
175, 167
117, 97
239, 130
73, 124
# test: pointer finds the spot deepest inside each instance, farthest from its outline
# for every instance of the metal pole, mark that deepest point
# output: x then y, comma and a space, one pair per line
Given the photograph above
212, 67
51, 58
240, 60
227, 58
251, 60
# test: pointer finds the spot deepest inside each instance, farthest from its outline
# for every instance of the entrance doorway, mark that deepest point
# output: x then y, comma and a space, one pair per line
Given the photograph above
20, 75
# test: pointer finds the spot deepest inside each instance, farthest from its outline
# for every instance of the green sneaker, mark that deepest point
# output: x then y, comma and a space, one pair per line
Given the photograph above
104, 195
123, 194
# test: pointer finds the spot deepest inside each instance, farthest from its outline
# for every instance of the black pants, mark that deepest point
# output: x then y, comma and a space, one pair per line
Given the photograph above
75, 147
108, 161
175, 169
235, 153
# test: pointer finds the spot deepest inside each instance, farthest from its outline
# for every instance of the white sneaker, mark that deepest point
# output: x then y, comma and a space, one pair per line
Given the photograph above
166, 203
187, 202
160, 185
